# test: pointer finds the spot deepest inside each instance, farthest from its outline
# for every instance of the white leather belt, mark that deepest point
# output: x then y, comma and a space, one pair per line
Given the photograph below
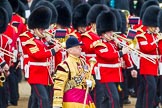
25, 56
152, 56
39, 63
117, 65
88, 55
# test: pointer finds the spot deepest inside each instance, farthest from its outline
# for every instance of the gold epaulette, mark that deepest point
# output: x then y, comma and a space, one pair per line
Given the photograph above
98, 43
139, 28
142, 35
24, 34
87, 35
72, 33
29, 42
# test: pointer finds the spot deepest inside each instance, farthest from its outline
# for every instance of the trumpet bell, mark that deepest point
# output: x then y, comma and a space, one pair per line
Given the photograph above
2, 77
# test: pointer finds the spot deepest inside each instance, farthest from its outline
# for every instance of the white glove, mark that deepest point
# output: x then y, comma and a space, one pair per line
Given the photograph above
89, 83
125, 50
56, 107
134, 73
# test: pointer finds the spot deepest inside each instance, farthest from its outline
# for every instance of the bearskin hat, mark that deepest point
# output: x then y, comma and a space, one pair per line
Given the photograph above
64, 13
160, 20
80, 15
95, 11
150, 16
75, 3
52, 7
40, 18
118, 19
93, 2
34, 2
3, 20
6, 5
106, 21
138, 7
147, 4
14, 4
22, 8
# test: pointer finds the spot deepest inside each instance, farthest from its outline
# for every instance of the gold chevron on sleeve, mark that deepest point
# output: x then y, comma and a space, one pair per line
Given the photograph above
34, 49
87, 35
98, 43
141, 35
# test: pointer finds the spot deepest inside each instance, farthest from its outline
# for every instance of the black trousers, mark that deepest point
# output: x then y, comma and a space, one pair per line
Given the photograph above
110, 96
97, 93
40, 96
146, 92
3, 96
12, 80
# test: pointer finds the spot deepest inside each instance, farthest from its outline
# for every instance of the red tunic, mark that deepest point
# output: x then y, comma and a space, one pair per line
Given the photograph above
144, 41
38, 55
5, 43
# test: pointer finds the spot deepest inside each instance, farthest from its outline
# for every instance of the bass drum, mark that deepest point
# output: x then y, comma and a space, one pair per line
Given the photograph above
134, 56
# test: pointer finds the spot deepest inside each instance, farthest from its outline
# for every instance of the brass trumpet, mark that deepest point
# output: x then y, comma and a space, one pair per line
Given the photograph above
131, 46
2, 77
8, 53
54, 41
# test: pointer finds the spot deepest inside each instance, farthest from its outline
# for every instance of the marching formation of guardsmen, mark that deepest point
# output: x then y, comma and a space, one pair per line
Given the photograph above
81, 53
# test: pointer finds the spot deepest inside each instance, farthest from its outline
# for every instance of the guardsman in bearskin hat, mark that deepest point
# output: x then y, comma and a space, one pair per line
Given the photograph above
5, 43
148, 70
108, 57
38, 75
79, 19
17, 20
140, 27
126, 64
49, 40
88, 50
10, 33
71, 79
135, 7
62, 27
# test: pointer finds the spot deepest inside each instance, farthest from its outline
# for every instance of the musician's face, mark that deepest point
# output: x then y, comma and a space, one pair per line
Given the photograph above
108, 35
82, 29
76, 50
39, 32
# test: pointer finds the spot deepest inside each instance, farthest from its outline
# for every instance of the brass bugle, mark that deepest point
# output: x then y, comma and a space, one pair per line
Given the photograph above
52, 40
8, 53
48, 33
133, 49
122, 38
2, 77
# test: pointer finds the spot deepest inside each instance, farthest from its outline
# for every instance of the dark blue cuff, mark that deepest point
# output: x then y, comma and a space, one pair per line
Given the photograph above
3, 64
120, 53
53, 51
